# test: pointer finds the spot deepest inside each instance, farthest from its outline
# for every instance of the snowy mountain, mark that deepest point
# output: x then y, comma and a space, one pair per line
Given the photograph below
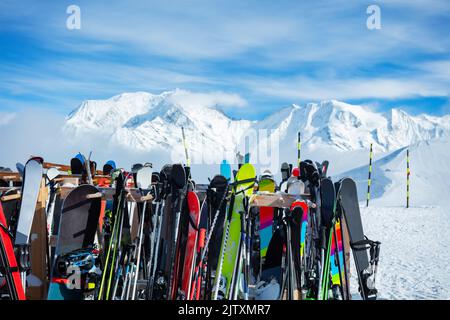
351, 127
147, 122
151, 123
143, 120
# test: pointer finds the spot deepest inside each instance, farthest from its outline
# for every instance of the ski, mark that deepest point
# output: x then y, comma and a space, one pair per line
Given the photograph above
9, 267
228, 268
360, 244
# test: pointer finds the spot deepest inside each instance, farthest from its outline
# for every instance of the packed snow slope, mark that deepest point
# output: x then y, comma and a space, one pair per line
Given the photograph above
414, 250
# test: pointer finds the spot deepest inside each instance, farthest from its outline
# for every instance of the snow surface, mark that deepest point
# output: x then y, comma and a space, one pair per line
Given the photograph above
414, 259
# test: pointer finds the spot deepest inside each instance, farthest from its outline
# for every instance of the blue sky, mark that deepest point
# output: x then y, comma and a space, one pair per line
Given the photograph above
268, 54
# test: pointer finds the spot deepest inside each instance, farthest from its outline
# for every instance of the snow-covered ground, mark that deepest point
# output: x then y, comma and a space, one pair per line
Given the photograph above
414, 256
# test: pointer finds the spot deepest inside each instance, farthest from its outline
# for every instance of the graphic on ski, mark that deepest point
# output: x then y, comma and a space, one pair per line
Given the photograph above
266, 215
228, 262
338, 268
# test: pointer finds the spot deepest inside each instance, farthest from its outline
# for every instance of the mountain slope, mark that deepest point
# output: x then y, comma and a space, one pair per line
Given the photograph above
348, 127
429, 180
144, 122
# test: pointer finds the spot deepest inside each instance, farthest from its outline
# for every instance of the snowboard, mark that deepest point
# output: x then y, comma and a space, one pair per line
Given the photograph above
32, 178
74, 257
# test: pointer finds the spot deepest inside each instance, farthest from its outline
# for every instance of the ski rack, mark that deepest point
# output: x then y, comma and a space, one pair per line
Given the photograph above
107, 193
10, 197
66, 168
10, 176
275, 200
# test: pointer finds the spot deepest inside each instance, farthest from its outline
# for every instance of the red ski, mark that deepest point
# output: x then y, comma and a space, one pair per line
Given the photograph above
191, 245
197, 283
8, 261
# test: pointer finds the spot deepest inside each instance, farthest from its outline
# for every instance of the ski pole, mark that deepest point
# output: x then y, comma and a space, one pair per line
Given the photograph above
188, 162
114, 261
155, 224
370, 173
141, 235
299, 146
110, 247
210, 232
407, 178
247, 150
175, 239
219, 269
154, 264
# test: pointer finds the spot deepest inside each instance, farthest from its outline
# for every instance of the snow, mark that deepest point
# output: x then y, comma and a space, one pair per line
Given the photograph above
414, 255
429, 179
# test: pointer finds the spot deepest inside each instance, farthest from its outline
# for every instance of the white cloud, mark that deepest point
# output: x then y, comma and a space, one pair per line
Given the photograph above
211, 99
347, 88
6, 118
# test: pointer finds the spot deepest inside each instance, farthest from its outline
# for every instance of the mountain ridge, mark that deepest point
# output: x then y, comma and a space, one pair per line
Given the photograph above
145, 121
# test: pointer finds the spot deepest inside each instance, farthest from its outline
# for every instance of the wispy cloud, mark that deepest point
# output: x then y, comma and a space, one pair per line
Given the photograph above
6, 117
304, 88
211, 99
264, 52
